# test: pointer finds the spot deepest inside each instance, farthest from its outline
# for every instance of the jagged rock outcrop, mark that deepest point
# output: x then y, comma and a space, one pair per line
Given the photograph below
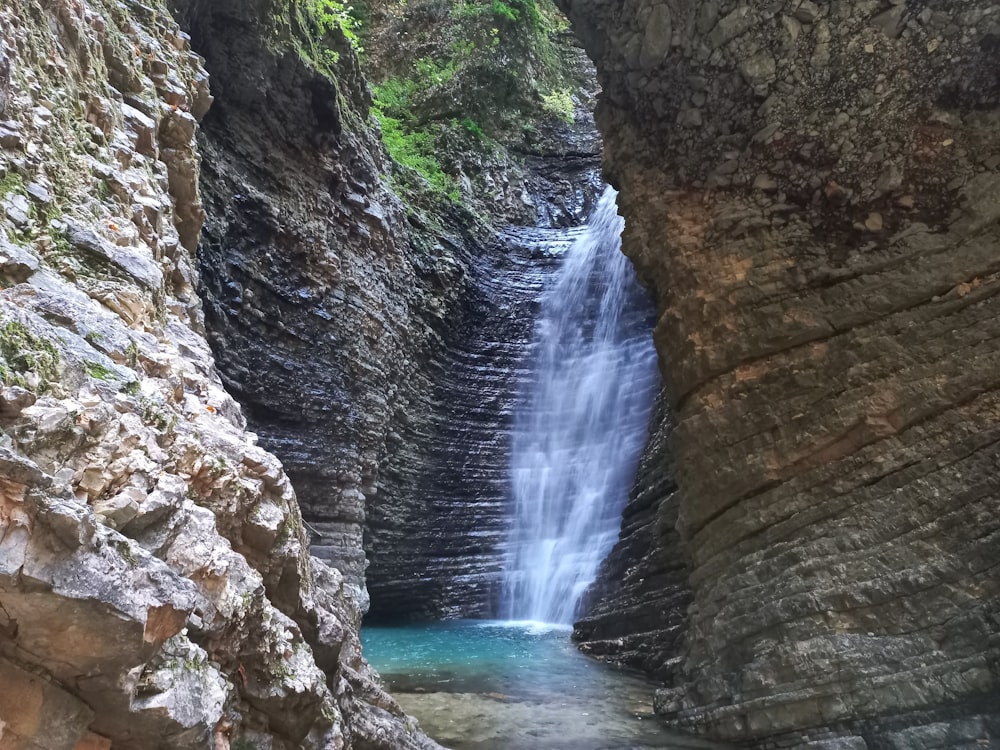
156, 589
811, 189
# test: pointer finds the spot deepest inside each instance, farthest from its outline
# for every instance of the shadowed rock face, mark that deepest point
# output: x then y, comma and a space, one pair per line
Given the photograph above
635, 611
344, 328
437, 529
811, 189
316, 302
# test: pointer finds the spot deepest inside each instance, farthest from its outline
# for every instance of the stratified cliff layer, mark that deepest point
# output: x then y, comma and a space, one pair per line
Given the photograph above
812, 191
316, 302
156, 589
436, 534
635, 611
344, 321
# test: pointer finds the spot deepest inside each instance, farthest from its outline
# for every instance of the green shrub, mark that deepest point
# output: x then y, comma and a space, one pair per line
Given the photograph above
472, 126
559, 104
415, 150
505, 12
330, 15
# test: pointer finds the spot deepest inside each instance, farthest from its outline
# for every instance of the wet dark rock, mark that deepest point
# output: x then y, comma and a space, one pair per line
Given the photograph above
348, 330
313, 320
634, 613
437, 527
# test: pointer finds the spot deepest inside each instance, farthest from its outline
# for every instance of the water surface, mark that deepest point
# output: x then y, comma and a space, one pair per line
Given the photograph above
483, 685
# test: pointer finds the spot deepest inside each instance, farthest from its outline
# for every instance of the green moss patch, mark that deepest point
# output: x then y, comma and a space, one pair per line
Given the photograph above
22, 352
98, 371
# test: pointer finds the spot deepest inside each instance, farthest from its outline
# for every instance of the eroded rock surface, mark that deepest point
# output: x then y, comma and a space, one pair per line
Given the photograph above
316, 301
635, 612
156, 589
348, 325
437, 535
812, 191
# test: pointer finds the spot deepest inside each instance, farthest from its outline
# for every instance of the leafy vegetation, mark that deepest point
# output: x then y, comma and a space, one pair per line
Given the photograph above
323, 22
448, 90
560, 104
503, 11
330, 15
472, 127
410, 144
456, 81
98, 371
414, 149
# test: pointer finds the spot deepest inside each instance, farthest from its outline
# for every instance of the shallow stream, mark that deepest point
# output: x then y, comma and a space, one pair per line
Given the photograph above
491, 685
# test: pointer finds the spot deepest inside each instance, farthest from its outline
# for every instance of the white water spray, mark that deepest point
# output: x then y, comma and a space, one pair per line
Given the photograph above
581, 422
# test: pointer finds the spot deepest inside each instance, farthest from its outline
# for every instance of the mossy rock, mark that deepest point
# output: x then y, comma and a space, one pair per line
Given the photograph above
22, 352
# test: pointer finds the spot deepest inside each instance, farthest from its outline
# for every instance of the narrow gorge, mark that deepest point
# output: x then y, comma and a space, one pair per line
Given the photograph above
270, 274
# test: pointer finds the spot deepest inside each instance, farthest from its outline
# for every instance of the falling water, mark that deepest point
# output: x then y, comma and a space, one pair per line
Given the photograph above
581, 422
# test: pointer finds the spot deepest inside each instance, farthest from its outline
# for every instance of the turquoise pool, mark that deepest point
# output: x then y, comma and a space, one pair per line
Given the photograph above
483, 685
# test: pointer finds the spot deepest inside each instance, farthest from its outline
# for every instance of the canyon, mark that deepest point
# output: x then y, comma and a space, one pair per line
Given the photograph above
240, 364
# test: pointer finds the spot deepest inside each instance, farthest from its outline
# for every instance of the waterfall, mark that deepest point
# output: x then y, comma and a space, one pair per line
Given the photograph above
581, 420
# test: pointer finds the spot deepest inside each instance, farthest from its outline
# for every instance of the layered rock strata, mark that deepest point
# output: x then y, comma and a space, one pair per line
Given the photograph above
437, 530
634, 613
156, 589
316, 301
812, 191
348, 330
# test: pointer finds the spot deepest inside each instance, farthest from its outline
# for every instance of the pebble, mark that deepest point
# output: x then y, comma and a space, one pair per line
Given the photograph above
874, 222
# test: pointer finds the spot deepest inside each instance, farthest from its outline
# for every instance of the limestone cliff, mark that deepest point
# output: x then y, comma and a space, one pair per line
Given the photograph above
812, 191
156, 589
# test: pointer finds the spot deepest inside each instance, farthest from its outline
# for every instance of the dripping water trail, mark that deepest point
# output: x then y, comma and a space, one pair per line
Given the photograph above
581, 420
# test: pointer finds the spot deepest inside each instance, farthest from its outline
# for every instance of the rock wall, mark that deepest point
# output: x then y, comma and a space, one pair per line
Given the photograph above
811, 189
334, 310
155, 585
316, 301
438, 531
634, 613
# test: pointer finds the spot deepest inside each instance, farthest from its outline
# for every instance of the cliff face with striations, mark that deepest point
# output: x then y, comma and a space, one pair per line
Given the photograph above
812, 191
635, 612
156, 589
340, 317
436, 534
316, 301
